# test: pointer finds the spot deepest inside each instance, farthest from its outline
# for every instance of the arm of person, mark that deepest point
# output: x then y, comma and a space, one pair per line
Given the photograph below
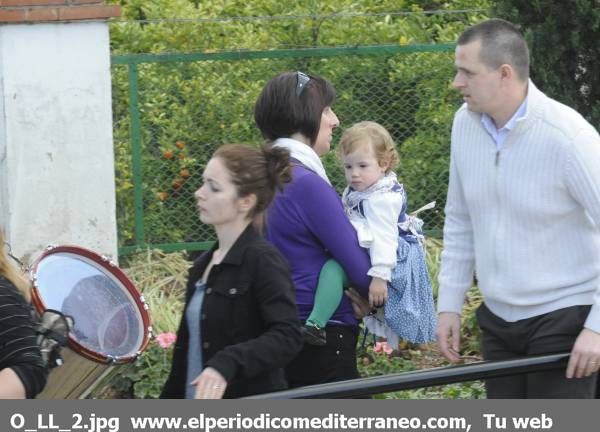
282, 340
324, 214
360, 305
457, 265
31, 372
11, 386
21, 358
382, 211
583, 180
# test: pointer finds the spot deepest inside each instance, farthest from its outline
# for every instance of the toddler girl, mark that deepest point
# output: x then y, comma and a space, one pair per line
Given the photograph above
376, 205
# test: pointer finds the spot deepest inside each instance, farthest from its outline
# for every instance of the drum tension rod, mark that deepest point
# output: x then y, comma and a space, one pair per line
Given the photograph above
10, 254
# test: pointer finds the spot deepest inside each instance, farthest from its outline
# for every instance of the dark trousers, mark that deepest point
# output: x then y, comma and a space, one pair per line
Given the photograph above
554, 332
335, 361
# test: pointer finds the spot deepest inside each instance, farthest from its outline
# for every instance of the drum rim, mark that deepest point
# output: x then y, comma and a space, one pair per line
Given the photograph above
111, 268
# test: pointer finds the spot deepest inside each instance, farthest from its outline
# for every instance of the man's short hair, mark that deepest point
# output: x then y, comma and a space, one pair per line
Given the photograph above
501, 43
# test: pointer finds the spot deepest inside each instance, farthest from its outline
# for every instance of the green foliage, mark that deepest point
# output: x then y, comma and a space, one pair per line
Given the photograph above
150, 371
425, 154
563, 37
208, 103
372, 364
211, 25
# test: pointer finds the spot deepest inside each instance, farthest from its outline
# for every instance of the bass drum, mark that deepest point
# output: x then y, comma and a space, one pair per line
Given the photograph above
111, 322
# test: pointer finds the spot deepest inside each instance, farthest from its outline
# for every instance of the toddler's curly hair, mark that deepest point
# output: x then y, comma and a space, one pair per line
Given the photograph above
369, 133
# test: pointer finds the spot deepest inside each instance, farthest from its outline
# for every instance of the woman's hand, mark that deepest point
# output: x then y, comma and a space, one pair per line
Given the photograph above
378, 292
210, 384
359, 303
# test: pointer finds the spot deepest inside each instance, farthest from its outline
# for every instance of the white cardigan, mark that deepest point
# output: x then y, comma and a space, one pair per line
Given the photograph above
377, 226
525, 217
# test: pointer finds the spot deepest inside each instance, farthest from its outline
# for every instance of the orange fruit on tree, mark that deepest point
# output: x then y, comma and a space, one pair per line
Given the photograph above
177, 183
180, 144
185, 173
168, 154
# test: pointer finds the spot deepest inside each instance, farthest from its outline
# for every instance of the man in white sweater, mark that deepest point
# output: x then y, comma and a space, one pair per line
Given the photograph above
523, 213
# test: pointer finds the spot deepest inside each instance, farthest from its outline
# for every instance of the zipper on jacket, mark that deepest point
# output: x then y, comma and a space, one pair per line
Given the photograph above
497, 212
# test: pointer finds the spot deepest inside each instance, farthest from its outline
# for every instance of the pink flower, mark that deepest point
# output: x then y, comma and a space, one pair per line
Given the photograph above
165, 340
382, 347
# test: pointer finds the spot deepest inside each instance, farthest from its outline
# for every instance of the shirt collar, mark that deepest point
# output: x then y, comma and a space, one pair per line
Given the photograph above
520, 114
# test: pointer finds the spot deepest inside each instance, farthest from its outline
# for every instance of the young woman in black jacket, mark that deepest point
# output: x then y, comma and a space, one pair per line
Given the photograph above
23, 372
240, 326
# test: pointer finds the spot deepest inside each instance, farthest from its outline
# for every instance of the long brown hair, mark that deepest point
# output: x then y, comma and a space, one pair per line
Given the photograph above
11, 271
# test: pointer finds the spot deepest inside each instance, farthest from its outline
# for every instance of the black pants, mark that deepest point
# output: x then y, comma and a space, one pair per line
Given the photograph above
554, 332
335, 361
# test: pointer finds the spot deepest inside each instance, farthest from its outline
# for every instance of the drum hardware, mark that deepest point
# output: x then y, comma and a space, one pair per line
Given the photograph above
109, 261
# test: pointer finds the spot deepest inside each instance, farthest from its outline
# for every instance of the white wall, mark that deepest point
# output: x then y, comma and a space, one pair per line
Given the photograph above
56, 151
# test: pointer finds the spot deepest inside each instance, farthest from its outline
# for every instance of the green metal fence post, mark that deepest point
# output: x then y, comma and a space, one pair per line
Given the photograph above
136, 155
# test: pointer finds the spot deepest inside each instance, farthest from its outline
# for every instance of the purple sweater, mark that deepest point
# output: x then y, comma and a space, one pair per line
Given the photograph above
307, 223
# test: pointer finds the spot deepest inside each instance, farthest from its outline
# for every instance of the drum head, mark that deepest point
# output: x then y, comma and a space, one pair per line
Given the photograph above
111, 321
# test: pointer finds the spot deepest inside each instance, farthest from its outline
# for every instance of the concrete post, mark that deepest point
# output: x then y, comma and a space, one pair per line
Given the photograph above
56, 152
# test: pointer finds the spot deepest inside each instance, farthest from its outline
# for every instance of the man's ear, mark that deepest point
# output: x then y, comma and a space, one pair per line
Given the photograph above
507, 71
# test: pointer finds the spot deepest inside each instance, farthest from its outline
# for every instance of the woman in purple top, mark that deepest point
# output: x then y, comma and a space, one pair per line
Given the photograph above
307, 223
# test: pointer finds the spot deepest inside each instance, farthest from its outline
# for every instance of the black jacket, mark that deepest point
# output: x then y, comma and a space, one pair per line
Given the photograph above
249, 323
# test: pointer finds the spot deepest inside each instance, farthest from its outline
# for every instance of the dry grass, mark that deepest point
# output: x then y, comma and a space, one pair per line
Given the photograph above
433, 256
161, 278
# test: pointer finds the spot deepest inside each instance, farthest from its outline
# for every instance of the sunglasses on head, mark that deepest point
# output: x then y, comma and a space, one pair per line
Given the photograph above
301, 80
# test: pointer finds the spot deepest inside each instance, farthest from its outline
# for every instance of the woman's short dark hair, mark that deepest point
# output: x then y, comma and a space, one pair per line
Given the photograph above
261, 172
283, 109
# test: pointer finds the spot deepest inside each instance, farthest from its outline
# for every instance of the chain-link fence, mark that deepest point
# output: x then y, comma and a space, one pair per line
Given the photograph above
172, 111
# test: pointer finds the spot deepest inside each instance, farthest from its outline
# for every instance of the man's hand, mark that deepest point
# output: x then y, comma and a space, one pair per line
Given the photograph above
210, 384
359, 303
585, 355
448, 335
378, 292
